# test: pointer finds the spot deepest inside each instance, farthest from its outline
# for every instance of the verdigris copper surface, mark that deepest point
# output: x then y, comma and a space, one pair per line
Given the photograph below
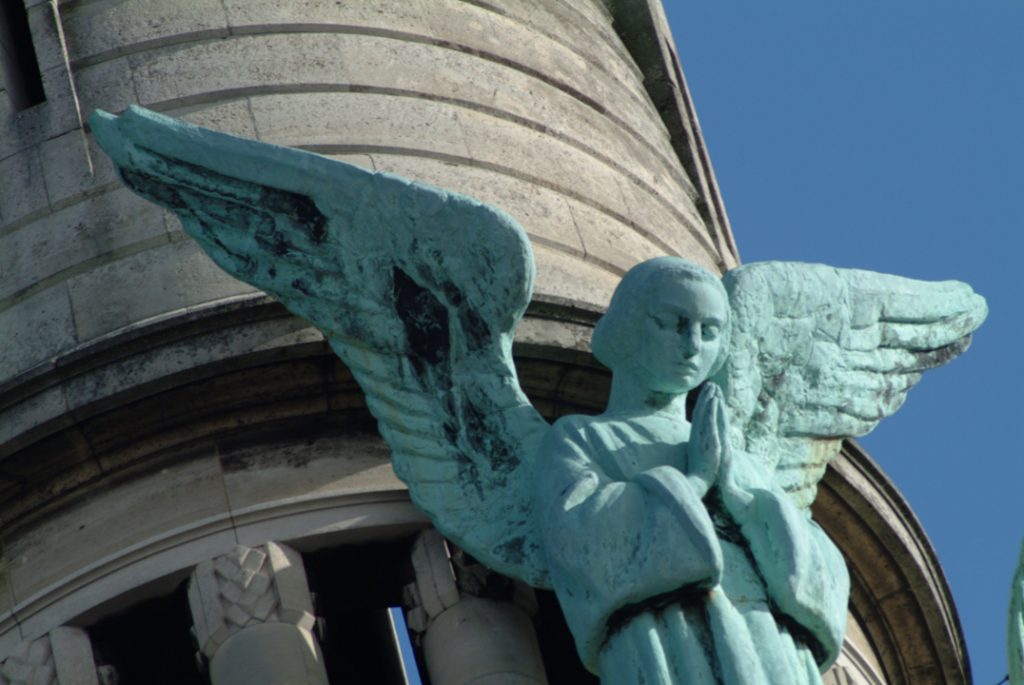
1015, 632
681, 552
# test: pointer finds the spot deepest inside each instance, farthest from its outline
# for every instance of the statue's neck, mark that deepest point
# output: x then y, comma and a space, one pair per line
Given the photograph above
628, 398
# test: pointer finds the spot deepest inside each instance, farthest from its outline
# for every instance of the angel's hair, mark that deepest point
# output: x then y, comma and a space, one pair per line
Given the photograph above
628, 308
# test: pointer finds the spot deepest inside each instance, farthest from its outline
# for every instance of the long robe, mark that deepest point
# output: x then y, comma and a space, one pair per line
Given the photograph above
657, 589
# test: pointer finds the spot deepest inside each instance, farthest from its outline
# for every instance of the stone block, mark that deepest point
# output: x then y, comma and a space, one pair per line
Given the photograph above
46, 40
6, 595
295, 602
164, 279
529, 155
35, 329
107, 85
167, 76
45, 464
127, 514
269, 653
148, 421
72, 165
30, 663
73, 657
397, 15
435, 577
199, 279
23, 190
515, 44
262, 474
360, 119
609, 241
95, 30
48, 469
107, 581
585, 27
567, 279
313, 522
680, 230
197, 357
84, 234
57, 115
21, 417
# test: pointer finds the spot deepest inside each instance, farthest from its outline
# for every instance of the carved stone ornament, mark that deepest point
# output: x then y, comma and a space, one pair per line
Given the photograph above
62, 657
246, 587
680, 552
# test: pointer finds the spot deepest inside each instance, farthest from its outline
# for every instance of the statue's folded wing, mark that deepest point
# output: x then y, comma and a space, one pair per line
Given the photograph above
417, 290
818, 354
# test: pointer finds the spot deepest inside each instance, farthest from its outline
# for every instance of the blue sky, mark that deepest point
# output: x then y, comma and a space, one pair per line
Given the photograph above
887, 136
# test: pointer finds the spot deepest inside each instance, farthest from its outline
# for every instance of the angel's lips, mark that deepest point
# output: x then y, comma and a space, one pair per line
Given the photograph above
685, 368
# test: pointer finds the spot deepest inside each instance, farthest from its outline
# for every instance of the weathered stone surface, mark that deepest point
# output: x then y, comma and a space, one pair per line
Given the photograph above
73, 657
23, 190
100, 30
190, 360
108, 84
164, 279
36, 329
49, 119
66, 542
268, 654
253, 615
361, 119
316, 466
74, 165
31, 664
77, 237
62, 657
234, 117
229, 593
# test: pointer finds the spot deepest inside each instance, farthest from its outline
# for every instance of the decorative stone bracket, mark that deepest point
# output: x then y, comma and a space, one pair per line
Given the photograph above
62, 657
253, 618
468, 635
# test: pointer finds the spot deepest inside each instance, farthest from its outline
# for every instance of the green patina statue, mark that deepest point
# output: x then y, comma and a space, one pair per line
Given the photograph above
681, 552
1015, 632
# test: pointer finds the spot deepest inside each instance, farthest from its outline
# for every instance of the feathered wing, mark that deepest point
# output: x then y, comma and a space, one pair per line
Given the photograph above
418, 291
819, 354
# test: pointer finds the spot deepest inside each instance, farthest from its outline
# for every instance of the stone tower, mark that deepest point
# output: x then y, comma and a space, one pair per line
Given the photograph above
177, 452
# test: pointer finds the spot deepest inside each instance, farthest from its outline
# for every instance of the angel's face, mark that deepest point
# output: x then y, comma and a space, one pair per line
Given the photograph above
680, 336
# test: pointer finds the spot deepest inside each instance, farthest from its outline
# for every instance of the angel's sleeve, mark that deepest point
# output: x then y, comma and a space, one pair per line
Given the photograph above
612, 544
804, 573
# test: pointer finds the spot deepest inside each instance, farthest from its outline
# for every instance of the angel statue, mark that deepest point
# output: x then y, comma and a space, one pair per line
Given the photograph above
681, 553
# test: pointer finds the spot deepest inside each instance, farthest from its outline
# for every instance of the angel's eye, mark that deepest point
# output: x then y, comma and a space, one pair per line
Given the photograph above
709, 331
683, 325
661, 323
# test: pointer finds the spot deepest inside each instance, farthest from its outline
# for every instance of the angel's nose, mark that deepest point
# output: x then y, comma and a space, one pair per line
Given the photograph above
691, 340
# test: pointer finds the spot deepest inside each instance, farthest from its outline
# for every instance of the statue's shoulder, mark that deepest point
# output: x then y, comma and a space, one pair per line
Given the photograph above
577, 424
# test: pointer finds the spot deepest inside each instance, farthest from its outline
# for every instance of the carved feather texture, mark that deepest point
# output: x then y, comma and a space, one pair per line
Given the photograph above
819, 354
418, 290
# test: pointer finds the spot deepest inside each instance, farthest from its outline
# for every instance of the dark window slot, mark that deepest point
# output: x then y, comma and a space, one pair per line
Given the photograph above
22, 79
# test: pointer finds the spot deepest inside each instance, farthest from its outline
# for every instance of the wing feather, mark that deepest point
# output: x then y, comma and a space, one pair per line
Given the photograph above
418, 291
818, 354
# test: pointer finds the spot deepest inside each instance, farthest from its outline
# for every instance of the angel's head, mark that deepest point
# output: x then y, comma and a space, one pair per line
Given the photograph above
667, 326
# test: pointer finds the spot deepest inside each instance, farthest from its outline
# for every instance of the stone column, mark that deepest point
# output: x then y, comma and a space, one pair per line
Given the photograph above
62, 657
467, 637
253, 618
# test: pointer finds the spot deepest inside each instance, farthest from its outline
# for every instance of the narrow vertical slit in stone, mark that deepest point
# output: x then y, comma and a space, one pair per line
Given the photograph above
21, 75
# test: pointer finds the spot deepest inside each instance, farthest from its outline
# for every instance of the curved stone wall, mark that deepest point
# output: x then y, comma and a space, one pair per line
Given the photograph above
535, 107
